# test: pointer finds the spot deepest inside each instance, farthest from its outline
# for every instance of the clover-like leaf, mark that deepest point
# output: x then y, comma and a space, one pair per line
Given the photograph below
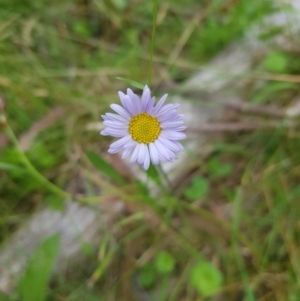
206, 278
197, 190
164, 262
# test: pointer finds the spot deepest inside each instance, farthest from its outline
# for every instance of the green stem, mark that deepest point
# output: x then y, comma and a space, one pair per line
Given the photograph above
155, 8
31, 169
162, 173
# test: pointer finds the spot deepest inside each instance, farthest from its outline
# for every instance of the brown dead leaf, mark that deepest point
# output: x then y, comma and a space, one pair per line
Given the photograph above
27, 138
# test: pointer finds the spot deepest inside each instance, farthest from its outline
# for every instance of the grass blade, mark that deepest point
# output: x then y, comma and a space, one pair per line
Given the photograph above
33, 285
105, 167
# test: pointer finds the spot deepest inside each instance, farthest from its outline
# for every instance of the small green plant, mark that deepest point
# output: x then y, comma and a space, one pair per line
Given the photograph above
164, 262
219, 169
275, 62
147, 275
206, 278
197, 190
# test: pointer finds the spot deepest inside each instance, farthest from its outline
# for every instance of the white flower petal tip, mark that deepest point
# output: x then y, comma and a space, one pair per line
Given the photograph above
149, 132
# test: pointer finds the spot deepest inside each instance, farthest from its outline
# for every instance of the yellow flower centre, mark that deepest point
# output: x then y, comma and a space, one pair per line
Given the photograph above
144, 128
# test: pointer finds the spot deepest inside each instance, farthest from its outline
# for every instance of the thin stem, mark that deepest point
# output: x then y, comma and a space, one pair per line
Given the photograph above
155, 8
31, 169
165, 177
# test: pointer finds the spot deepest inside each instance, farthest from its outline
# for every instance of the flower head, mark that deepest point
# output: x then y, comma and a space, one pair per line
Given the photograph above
149, 131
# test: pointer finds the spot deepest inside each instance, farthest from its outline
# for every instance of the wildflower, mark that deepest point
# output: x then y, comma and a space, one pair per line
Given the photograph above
150, 131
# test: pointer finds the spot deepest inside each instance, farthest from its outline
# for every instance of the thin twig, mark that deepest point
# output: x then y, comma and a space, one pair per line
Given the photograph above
290, 78
237, 126
242, 106
155, 8
186, 35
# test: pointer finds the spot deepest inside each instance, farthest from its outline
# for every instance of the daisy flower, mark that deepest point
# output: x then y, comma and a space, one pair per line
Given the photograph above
148, 131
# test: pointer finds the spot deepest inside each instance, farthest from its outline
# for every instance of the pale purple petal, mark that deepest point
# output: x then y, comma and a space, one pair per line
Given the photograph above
165, 109
135, 153
178, 128
142, 154
170, 124
170, 116
146, 97
150, 105
104, 133
166, 154
172, 135
114, 150
127, 103
114, 132
132, 107
115, 124
169, 144
154, 154
121, 111
146, 163
118, 145
161, 158
179, 145
111, 116
159, 104
126, 153
130, 93
123, 100
123, 130
136, 106
130, 144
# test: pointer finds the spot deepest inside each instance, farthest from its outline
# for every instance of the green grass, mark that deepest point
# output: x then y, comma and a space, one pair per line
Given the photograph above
231, 230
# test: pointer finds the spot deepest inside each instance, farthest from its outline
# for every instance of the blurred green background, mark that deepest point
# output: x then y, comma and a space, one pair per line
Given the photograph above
61, 65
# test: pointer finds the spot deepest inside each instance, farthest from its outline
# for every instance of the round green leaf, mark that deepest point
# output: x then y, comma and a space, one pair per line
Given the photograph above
147, 276
164, 262
275, 62
219, 169
197, 190
206, 278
